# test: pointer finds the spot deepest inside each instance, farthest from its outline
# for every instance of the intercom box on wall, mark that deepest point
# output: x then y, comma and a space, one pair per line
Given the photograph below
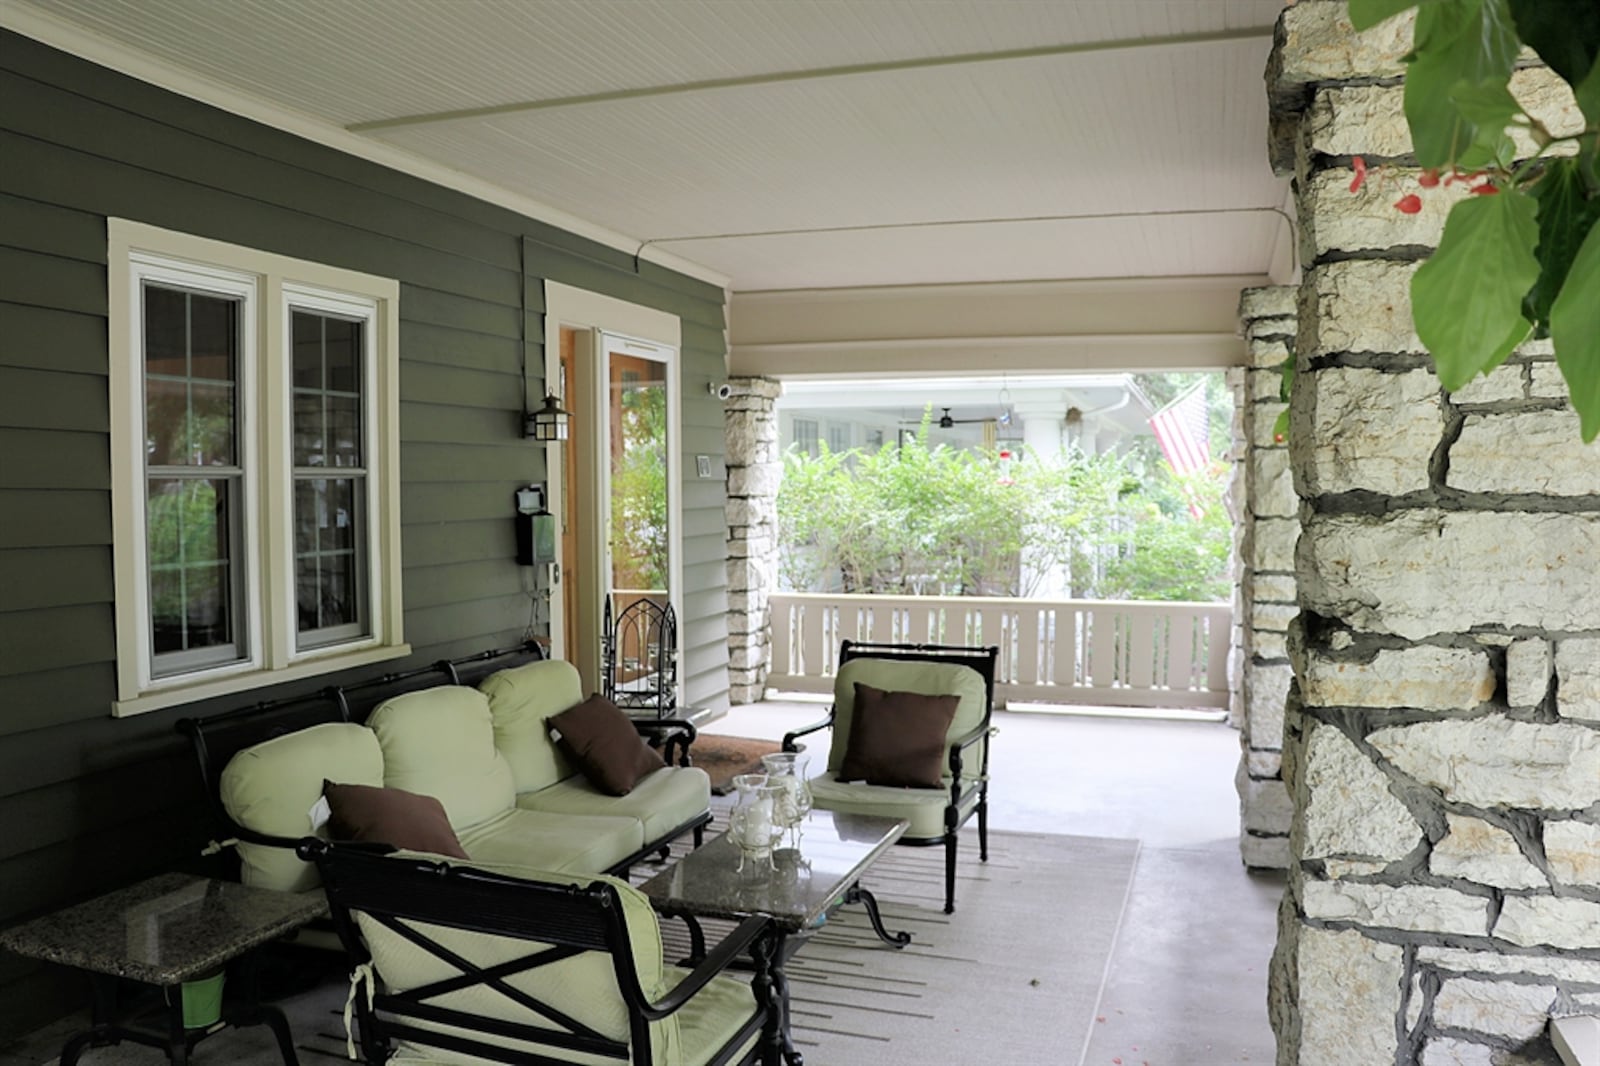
536, 528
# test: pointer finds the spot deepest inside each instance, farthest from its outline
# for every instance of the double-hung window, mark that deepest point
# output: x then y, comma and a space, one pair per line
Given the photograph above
254, 467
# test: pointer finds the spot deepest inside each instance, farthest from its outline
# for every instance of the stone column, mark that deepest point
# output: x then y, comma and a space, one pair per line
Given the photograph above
1442, 740
754, 471
1268, 527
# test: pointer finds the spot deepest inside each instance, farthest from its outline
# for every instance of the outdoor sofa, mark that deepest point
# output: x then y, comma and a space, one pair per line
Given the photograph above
510, 793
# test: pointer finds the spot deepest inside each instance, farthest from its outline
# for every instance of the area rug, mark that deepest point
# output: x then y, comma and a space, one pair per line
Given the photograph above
1014, 976
725, 757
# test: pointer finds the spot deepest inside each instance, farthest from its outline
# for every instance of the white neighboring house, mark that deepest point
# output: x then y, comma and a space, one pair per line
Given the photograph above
1038, 416
1096, 413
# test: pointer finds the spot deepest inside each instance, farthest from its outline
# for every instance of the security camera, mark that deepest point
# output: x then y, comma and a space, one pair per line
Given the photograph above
720, 389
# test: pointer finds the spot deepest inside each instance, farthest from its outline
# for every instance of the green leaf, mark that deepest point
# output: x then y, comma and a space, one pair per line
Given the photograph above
1575, 330
1485, 103
1364, 14
1466, 300
1565, 34
1458, 41
1565, 218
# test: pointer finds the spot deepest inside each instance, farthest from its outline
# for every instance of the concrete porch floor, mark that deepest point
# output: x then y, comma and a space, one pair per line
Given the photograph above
1187, 984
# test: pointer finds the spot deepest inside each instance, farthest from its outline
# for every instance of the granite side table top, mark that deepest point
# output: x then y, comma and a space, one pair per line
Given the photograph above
835, 849
164, 930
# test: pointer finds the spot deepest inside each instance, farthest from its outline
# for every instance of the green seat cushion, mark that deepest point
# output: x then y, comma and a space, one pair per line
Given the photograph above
563, 843
713, 1016
440, 742
271, 788
929, 679
922, 807
584, 987
662, 801
520, 699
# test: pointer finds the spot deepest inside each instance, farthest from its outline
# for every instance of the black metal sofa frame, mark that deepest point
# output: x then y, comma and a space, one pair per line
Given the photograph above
217, 738
983, 660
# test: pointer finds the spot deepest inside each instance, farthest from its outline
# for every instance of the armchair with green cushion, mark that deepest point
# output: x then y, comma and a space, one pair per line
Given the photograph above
462, 964
936, 800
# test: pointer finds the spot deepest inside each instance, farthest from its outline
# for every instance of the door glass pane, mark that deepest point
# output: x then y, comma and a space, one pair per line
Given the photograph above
639, 493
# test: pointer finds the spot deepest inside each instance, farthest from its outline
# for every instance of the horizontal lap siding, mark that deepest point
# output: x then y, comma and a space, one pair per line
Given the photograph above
88, 802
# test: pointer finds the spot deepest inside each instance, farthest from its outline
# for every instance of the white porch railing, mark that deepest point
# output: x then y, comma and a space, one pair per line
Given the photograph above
1114, 652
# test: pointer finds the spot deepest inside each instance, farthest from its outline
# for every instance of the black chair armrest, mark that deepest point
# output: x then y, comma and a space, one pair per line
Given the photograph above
668, 733
958, 748
789, 738
963, 743
732, 946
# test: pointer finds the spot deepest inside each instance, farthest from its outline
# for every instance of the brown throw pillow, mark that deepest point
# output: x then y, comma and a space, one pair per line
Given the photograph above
601, 740
390, 816
898, 738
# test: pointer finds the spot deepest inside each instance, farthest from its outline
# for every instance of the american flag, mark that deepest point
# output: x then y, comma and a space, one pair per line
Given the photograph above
1183, 429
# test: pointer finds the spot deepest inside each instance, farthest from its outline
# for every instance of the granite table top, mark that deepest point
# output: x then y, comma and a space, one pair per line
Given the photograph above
835, 849
164, 930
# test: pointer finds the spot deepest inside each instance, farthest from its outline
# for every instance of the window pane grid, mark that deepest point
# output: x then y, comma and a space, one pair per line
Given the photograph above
329, 512
330, 558
193, 483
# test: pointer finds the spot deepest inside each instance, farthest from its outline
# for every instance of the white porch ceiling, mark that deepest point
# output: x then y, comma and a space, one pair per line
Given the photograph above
794, 143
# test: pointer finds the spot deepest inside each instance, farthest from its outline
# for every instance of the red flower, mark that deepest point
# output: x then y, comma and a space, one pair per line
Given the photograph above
1409, 204
1360, 166
1488, 188
1428, 178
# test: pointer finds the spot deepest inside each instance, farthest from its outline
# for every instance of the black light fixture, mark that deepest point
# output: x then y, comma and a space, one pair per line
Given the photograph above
548, 422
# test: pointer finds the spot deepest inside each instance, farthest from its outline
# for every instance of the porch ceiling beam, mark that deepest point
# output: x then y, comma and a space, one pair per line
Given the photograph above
960, 356
846, 70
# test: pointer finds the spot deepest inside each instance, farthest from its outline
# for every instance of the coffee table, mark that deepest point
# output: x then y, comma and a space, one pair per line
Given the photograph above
823, 873
164, 931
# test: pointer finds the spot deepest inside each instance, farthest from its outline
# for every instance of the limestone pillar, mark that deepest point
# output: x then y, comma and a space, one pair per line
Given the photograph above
1267, 526
754, 471
1442, 739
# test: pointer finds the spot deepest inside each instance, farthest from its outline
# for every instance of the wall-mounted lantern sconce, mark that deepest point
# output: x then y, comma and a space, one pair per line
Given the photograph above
548, 422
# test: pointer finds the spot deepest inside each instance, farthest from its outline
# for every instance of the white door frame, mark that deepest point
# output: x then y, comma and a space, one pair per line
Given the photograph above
588, 312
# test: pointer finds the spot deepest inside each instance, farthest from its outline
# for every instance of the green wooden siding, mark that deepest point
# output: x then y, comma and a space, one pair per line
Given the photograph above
88, 802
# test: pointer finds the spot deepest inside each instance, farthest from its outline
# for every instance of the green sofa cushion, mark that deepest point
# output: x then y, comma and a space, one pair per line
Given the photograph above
584, 987
931, 679
440, 742
922, 807
520, 699
271, 787
662, 801
567, 843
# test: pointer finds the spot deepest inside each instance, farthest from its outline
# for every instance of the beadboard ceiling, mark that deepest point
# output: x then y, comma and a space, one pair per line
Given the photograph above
794, 143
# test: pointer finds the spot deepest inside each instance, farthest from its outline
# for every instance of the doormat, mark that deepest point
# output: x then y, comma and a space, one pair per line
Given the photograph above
724, 758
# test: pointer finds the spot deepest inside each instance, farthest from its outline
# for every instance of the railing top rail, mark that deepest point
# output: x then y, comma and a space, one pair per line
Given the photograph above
984, 601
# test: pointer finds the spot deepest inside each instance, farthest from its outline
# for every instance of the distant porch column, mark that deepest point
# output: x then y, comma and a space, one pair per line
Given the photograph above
754, 472
1043, 420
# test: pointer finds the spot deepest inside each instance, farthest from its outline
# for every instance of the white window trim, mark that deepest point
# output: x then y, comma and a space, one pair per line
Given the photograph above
136, 251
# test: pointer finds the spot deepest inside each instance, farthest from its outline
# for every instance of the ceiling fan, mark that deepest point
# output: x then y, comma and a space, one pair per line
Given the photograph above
944, 421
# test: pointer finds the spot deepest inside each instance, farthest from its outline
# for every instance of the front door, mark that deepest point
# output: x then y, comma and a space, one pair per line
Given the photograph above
620, 531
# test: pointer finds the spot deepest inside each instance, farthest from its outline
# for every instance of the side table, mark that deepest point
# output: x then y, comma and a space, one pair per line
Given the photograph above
164, 931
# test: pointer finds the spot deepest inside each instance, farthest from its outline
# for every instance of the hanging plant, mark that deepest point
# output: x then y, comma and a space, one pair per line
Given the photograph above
1521, 257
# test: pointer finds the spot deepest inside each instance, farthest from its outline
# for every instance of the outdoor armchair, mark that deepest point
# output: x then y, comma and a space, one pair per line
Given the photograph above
452, 963
935, 814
